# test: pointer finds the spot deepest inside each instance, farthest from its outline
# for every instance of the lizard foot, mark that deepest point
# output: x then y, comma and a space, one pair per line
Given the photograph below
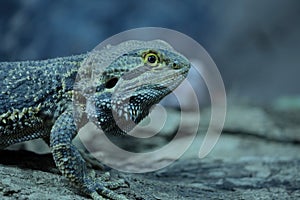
105, 180
102, 190
99, 186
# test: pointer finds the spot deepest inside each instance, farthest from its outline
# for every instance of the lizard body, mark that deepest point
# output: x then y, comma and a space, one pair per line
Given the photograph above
36, 101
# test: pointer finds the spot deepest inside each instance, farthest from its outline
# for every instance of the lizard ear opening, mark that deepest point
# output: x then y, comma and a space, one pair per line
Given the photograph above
111, 83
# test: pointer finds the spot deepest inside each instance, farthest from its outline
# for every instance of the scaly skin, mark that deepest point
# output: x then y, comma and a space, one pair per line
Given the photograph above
36, 101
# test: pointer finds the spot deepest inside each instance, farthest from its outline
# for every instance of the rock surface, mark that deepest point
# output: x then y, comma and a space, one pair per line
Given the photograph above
257, 157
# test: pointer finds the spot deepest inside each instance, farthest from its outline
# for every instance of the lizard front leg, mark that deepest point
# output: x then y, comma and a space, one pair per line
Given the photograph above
71, 164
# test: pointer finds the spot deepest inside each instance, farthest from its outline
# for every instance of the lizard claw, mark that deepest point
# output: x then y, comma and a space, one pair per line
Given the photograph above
100, 186
115, 184
104, 179
100, 192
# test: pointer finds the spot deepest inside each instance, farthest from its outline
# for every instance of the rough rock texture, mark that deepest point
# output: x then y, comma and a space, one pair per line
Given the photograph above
268, 178
257, 157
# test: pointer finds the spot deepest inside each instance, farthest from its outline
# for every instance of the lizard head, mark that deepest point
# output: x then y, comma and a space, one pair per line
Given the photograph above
133, 83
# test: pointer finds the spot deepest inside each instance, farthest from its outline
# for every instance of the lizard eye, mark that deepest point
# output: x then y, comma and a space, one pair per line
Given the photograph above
152, 59
111, 83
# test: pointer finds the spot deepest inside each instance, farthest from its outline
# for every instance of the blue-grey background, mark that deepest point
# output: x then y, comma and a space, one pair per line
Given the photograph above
254, 43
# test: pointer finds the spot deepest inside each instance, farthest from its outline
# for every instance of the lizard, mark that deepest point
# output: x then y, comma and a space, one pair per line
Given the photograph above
37, 101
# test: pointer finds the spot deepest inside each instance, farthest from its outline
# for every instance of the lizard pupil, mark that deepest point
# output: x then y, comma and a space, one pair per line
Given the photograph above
111, 83
152, 59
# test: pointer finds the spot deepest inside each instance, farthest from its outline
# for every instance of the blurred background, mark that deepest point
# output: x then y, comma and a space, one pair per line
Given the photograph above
256, 47
255, 44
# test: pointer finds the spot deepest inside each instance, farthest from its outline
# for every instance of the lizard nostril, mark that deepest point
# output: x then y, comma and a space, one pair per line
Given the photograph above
176, 66
111, 83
